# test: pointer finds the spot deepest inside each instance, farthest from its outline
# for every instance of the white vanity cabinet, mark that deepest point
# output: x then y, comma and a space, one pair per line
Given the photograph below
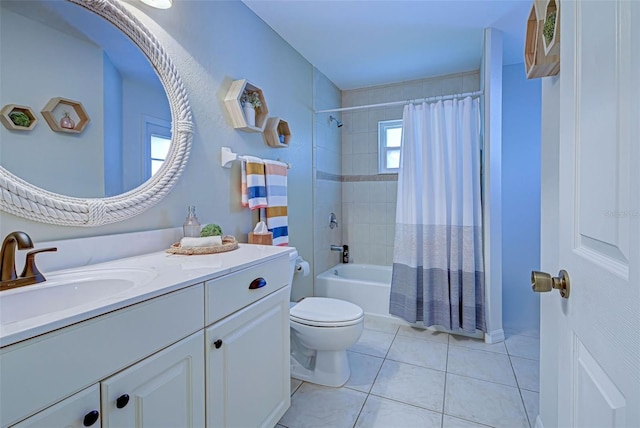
80, 410
166, 389
213, 354
44, 371
247, 353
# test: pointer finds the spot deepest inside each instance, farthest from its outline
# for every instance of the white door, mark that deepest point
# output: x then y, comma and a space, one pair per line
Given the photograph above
598, 350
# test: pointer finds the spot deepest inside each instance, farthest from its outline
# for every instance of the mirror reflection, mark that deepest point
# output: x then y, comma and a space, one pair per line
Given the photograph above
54, 48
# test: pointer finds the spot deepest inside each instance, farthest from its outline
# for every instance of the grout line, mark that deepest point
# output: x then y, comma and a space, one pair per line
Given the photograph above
519, 389
405, 403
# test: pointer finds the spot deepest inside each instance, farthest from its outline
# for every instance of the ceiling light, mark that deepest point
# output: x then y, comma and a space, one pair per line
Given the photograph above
159, 4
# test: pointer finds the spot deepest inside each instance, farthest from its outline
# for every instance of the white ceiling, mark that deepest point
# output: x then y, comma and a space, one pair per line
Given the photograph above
360, 43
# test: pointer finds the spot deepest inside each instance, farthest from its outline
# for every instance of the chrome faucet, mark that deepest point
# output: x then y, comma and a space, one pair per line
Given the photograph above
337, 248
30, 275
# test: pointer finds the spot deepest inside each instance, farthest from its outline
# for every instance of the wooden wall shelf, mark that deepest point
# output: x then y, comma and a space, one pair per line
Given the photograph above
233, 104
540, 59
274, 129
553, 46
8, 123
51, 110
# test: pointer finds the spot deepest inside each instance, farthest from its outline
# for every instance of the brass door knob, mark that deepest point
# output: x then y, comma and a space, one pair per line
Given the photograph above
543, 282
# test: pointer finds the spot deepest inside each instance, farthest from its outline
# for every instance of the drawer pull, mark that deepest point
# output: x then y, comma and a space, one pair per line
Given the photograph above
257, 283
122, 401
217, 343
90, 418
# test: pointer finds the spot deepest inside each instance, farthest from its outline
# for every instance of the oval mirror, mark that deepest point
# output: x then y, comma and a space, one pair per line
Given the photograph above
136, 143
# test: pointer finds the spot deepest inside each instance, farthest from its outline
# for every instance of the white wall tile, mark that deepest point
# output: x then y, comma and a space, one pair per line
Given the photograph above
452, 85
359, 121
375, 116
471, 82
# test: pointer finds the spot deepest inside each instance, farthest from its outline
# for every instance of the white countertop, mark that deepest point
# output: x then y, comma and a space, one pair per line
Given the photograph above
172, 272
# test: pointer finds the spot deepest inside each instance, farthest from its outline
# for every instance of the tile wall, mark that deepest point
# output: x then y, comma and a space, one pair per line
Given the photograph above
326, 175
369, 199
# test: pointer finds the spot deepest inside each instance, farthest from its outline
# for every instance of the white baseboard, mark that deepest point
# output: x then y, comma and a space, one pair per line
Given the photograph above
495, 336
538, 422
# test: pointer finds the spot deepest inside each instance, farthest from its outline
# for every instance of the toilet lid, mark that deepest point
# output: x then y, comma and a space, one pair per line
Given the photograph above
323, 311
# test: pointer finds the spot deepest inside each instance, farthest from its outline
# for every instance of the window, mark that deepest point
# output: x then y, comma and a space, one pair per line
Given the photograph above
159, 149
389, 142
157, 142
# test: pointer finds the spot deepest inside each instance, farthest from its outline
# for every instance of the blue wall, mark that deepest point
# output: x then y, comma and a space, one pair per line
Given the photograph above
520, 198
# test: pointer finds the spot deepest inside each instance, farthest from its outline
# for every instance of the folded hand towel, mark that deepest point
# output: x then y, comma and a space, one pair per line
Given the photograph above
208, 241
277, 212
253, 183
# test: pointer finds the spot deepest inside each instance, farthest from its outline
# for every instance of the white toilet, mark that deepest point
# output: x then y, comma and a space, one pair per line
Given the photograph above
321, 331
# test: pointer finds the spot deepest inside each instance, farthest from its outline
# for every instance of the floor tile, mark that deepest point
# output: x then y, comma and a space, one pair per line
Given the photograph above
469, 342
380, 325
421, 333
451, 422
320, 406
364, 369
425, 353
527, 373
484, 402
374, 343
531, 332
410, 384
523, 346
480, 365
379, 412
531, 405
295, 383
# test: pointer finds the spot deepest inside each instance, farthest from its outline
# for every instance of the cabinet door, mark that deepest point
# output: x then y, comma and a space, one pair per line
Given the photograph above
248, 383
79, 410
163, 390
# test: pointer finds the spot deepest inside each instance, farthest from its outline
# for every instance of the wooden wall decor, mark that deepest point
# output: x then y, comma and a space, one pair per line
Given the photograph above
542, 57
5, 117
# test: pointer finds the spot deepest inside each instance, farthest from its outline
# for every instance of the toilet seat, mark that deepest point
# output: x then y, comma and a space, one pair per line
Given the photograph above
326, 312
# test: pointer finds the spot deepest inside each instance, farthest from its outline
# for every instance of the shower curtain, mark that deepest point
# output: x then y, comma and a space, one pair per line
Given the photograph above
438, 269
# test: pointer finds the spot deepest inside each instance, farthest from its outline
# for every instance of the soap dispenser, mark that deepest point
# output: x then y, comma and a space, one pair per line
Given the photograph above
191, 226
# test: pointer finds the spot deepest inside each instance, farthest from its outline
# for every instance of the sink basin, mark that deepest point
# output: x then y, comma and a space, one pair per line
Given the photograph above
68, 290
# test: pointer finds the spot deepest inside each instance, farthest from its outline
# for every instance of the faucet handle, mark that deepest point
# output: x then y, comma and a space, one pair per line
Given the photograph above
30, 269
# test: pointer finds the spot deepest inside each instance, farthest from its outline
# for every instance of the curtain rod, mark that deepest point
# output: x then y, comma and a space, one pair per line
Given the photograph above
395, 103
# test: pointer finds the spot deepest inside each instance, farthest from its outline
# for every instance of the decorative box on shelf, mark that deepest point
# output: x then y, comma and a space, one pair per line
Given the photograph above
261, 238
277, 133
10, 110
542, 42
233, 102
57, 114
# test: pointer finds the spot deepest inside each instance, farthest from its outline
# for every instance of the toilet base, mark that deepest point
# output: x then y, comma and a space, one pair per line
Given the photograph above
329, 368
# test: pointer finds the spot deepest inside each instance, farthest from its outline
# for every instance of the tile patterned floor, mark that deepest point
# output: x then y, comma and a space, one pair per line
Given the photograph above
404, 377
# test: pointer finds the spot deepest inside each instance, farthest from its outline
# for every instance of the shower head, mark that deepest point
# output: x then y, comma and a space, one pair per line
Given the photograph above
339, 123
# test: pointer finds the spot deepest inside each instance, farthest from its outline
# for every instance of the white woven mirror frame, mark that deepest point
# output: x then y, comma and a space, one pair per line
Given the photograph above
23, 199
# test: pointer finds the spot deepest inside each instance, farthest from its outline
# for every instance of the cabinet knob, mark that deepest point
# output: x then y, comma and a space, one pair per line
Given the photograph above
90, 418
217, 343
257, 283
122, 401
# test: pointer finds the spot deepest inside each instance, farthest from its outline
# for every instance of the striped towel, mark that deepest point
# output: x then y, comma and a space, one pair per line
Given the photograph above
277, 219
254, 192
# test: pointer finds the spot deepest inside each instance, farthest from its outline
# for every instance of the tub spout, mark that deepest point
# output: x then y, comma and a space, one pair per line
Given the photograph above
337, 248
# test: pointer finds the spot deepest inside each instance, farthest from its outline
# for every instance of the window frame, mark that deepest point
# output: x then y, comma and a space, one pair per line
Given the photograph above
384, 148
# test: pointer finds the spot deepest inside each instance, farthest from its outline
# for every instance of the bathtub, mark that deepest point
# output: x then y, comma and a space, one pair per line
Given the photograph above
368, 286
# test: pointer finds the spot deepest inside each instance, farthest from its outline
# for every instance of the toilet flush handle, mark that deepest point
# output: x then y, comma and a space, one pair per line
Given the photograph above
257, 283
